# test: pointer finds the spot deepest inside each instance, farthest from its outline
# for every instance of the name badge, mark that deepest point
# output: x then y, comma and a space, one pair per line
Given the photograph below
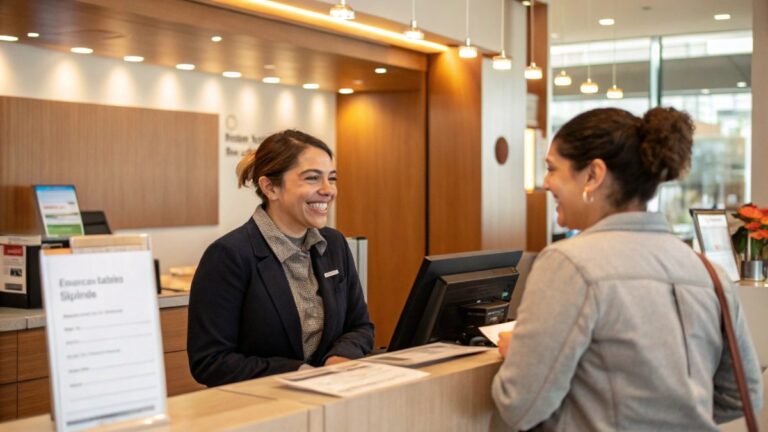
331, 273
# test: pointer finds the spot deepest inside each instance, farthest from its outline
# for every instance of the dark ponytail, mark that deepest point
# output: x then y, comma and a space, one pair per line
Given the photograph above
639, 153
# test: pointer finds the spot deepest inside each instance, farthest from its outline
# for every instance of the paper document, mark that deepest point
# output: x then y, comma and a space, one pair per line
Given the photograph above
104, 344
492, 331
350, 378
425, 354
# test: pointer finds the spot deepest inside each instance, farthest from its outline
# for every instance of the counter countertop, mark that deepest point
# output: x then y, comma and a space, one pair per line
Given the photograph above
22, 319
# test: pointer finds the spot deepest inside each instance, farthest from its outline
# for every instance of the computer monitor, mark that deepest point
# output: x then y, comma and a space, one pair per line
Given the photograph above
59, 210
452, 294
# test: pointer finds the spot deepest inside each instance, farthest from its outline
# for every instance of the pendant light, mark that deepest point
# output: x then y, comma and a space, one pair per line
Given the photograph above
467, 50
614, 92
589, 86
562, 79
501, 61
532, 72
412, 31
342, 11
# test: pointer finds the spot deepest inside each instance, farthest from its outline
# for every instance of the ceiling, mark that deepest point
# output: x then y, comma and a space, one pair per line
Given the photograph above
637, 18
169, 32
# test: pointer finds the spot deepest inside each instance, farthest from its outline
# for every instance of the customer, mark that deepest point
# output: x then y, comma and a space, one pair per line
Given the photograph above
619, 328
281, 291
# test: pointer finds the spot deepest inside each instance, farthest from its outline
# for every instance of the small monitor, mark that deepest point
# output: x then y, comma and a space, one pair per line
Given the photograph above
454, 294
714, 239
59, 210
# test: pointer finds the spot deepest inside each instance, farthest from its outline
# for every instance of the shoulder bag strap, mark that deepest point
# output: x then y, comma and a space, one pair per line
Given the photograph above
733, 347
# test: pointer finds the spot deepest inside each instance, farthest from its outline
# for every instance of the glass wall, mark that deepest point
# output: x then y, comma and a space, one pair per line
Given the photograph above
707, 75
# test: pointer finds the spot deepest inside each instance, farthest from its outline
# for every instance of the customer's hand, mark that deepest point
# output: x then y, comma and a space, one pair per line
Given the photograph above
332, 360
504, 343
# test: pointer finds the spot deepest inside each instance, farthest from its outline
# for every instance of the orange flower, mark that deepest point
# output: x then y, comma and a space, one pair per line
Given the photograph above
752, 226
764, 220
759, 235
751, 212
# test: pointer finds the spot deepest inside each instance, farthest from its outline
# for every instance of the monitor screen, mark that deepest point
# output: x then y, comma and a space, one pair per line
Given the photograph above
451, 291
59, 210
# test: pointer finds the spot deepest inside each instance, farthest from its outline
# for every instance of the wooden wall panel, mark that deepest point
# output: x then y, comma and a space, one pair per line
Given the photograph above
143, 167
178, 378
34, 397
536, 215
381, 145
173, 324
8, 357
454, 153
33, 354
8, 395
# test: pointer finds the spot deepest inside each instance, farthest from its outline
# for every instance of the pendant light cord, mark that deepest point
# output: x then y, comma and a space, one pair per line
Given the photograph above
413, 10
502, 26
589, 21
466, 17
533, 4
613, 32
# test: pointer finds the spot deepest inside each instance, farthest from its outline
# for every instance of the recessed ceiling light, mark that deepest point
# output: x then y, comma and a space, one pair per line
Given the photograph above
8, 38
232, 74
269, 66
606, 21
33, 34
526, 2
81, 50
380, 70
311, 86
271, 80
185, 66
346, 91
741, 84
133, 58
705, 91
216, 38
722, 17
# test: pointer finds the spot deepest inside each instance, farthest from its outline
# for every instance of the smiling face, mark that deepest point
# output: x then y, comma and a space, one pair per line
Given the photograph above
307, 191
566, 186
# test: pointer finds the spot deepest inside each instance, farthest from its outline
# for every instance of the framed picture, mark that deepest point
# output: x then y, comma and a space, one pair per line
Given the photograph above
714, 239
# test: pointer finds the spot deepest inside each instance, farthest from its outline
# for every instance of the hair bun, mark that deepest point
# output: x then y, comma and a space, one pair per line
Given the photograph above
667, 140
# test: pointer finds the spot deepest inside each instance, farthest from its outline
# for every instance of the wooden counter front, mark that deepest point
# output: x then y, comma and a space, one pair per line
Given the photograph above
455, 396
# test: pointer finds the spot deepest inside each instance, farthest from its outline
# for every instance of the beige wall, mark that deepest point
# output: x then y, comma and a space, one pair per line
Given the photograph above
760, 103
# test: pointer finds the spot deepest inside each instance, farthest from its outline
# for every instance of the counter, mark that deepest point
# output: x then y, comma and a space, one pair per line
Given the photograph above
455, 396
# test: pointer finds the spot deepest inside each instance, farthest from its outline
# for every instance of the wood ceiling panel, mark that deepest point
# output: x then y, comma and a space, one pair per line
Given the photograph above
168, 32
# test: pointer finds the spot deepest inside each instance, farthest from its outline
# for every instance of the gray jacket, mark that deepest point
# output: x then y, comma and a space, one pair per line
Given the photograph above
619, 329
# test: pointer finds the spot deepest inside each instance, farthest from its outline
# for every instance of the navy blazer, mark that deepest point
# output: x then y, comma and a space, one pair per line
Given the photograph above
243, 322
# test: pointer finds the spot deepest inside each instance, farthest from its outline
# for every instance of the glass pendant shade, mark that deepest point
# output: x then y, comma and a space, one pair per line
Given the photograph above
413, 32
342, 11
589, 87
502, 62
563, 79
533, 72
467, 50
615, 93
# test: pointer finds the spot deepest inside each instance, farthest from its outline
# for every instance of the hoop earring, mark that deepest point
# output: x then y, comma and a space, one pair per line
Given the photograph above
586, 197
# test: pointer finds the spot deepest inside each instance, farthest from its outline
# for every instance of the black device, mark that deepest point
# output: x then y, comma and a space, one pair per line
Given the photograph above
453, 294
95, 222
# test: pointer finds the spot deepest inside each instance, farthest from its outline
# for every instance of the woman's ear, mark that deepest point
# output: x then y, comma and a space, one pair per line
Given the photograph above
596, 174
268, 188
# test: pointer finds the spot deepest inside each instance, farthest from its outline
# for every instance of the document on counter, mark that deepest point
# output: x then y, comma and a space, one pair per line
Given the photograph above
492, 331
104, 343
350, 378
425, 354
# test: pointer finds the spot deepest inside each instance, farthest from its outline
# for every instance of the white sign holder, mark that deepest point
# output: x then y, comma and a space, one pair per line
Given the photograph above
104, 342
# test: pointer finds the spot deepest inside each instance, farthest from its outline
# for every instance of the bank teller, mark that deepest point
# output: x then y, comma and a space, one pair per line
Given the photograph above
280, 292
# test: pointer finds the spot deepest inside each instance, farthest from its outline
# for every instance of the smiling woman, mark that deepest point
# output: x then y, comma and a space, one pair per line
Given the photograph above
281, 292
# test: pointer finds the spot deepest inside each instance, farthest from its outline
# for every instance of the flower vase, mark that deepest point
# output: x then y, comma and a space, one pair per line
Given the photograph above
752, 270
